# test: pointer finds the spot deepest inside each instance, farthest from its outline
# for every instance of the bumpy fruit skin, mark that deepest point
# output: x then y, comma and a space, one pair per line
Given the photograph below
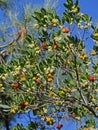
1, 85
38, 81
34, 78
59, 126
54, 24
44, 44
83, 57
26, 103
23, 79
55, 46
49, 120
93, 53
91, 78
86, 129
15, 85
65, 30
49, 79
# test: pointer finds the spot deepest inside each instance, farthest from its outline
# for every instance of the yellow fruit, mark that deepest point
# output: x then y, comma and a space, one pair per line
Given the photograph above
37, 48
51, 94
49, 79
64, 89
12, 85
54, 24
34, 78
51, 88
54, 121
93, 53
13, 111
95, 35
50, 123
62, 92
48, 119
68, 61
23, 79
1, 85
83, 57
97, 108
26, 103
50, 75
86, 129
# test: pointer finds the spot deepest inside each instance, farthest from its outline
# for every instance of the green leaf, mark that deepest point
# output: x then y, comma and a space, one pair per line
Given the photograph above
38, 16
93, 27
76, 2
43, 11
66, 5
70, 2
29, 38
2, 106
72, 83
59, 32
95, 48
32, 125
95, 37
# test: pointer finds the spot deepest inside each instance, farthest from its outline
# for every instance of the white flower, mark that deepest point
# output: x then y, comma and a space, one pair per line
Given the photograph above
36, 25
55, 20
57, 39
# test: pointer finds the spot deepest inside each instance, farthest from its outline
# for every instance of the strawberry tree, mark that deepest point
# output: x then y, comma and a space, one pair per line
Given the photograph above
54, 72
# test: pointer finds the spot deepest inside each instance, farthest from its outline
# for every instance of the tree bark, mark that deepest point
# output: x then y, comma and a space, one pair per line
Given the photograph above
6, 120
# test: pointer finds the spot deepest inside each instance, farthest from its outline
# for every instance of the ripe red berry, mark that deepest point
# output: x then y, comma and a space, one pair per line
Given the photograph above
44, 44
38, 81
59, 126
56, 46
65, 30
91, 78
16, 85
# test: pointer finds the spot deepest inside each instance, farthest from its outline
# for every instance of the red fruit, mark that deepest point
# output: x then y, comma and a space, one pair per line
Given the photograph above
16, 85
38, 81
44, 44
55, 46
65, 30
91, 78
59, 126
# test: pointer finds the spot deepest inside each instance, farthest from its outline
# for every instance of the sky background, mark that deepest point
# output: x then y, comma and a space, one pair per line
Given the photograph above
89, 7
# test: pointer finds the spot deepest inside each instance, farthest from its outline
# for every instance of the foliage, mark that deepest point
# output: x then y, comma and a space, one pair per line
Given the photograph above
51, 71
3, 2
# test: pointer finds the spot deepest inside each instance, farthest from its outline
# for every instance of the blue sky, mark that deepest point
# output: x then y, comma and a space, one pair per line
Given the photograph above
87, 6
90, 7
